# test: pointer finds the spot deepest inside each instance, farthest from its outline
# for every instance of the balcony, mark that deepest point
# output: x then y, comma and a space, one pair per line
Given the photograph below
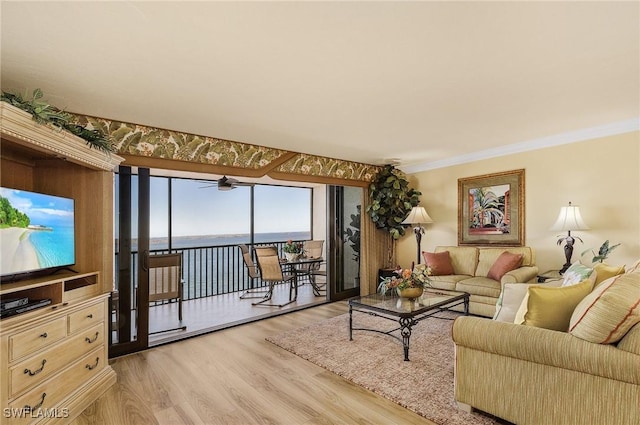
214, 278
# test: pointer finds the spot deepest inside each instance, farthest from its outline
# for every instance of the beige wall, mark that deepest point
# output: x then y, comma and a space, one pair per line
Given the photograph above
602, 176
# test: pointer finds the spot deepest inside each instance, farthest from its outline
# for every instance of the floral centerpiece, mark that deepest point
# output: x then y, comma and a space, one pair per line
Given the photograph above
409, 283
292, 250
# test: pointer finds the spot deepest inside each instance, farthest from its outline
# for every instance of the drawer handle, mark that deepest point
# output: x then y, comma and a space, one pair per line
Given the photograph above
91, 367
91, 341
37, 406
36, 371
44, 335
90, 316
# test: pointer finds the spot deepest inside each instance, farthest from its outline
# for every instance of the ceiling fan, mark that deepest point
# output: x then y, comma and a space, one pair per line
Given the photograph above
227, 183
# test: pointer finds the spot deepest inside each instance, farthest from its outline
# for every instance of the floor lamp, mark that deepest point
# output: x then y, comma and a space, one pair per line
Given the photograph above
417, 217
569, 219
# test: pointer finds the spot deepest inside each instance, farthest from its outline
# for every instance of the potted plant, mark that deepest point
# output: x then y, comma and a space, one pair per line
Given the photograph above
292, 250
391, 201
603, 252
409, 283
352, 235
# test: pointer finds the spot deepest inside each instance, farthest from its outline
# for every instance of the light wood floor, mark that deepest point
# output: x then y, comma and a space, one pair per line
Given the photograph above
234, 376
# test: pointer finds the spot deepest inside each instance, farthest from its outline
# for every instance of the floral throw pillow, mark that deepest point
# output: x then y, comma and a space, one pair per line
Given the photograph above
576, 273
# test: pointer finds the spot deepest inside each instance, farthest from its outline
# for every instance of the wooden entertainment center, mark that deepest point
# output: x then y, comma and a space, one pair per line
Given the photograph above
54, 359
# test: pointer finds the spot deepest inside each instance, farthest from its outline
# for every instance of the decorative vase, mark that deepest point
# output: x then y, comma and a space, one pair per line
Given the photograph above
291, 256
411, 293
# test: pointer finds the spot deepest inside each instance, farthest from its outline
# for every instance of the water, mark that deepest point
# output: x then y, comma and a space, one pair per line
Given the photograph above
218, 268
179, 242
54, 248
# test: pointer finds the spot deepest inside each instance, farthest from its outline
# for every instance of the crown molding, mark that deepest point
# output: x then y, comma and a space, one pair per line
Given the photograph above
20, 127
619, 127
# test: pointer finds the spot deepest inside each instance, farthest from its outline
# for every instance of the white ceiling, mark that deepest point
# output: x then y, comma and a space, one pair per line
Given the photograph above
420, 82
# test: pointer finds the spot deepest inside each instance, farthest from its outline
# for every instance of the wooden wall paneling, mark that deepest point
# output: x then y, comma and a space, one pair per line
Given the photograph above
15, 173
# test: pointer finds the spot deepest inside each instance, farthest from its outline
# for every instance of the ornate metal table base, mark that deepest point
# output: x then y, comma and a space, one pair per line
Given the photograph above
407, 319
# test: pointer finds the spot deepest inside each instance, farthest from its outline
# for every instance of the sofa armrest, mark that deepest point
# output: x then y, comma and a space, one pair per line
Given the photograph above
521, 275
543, 346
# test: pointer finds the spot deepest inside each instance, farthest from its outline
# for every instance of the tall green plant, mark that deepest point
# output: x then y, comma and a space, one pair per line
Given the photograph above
352, 233
391, 200
44, 113
603, 252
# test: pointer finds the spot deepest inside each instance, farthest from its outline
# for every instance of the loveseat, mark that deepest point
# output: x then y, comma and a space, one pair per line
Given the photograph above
469, 269
526, 374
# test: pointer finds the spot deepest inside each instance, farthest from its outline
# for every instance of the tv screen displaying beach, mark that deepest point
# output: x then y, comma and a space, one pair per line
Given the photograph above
36, 231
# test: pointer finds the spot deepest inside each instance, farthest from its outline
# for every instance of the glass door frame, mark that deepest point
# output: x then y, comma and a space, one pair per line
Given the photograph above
126, 344
335, 230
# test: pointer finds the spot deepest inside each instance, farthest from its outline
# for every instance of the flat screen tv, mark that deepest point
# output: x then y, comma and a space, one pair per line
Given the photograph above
37, 232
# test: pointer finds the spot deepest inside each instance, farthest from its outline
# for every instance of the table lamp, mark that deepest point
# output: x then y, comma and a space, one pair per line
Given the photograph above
417, 217
569, 219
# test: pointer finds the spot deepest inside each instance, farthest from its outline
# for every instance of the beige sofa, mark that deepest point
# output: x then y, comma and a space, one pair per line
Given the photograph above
532, 375
470, 267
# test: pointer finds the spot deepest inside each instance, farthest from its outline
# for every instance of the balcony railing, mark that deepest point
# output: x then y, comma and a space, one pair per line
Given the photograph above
207, 271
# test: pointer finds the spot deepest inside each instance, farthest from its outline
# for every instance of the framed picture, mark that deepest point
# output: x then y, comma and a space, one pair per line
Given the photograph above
491, 209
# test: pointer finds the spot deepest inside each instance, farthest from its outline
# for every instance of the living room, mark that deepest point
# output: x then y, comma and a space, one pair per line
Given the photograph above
590, 158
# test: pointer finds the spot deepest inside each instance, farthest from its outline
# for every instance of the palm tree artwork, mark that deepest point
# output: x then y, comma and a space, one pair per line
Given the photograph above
489, 210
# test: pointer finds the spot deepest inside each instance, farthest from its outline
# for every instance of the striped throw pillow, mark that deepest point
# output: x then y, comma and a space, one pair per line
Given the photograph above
609, 311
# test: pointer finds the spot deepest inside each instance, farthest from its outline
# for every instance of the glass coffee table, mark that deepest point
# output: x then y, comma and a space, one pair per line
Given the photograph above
407, 312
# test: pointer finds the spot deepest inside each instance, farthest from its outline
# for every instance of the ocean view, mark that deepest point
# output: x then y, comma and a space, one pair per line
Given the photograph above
196, 241
54, 247
215, 270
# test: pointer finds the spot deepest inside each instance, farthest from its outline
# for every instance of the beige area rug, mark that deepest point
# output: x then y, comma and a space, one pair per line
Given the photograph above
375, 361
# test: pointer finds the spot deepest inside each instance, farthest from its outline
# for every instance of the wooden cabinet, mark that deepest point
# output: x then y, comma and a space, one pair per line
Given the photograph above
54, 360
56, 354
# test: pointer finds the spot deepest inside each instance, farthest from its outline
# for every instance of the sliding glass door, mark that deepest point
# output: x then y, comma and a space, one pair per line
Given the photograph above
344, 210
130, 302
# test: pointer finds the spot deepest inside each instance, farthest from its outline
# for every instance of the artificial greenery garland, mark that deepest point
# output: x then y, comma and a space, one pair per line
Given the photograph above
43, 113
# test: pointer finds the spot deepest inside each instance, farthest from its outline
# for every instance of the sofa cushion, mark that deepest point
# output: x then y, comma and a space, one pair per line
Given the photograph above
634, 268
551, 308
448, 282
505, 263
488, 256
576, 273
438, 262
631, 340
464, 259
511, 299
607, 314
479, 286
605, 271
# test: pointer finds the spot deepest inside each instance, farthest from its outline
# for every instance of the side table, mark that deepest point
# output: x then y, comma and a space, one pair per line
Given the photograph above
549, 274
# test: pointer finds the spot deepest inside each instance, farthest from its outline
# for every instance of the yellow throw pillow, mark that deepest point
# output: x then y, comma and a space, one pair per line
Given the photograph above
604, 271
551, 308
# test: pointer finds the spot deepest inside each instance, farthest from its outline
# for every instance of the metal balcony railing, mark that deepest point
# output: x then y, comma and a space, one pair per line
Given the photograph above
207, 271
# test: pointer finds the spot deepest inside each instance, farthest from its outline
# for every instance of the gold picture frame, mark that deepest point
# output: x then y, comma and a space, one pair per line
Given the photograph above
491, 209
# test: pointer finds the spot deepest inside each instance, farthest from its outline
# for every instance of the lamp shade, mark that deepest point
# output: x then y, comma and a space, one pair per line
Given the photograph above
569, 219
418, 215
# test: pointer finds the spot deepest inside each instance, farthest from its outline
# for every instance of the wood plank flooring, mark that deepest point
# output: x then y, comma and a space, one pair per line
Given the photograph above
234, 376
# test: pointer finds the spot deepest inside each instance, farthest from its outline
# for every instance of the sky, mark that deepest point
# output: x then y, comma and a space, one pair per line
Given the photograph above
201, 210
41, 209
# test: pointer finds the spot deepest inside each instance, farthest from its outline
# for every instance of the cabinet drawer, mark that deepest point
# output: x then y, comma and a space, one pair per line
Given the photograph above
39, 367
54, 390
86, 317
34, 339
